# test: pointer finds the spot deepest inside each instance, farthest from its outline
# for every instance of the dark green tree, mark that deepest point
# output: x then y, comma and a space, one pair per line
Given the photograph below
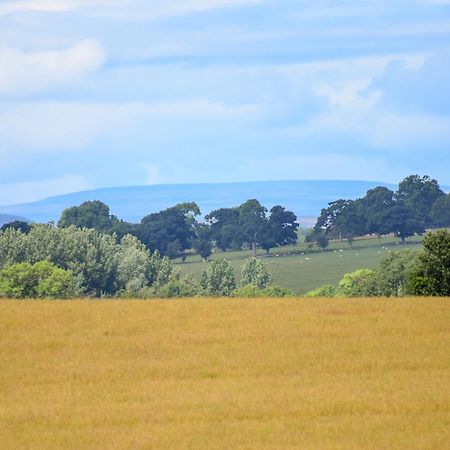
92, 214
440, 213
433, 276
374, 204
419, 194
171, 232
280, 229
24, 227
252, 220
342, 219
202, 242
402, 221
225, 229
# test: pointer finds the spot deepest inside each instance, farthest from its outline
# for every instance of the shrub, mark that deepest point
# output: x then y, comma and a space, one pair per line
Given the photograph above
218, 279
360, 283
255, 272
43, 279
273, 290
324, 291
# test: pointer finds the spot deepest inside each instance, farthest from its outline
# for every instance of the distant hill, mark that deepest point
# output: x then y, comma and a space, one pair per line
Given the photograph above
305, 198
6, 218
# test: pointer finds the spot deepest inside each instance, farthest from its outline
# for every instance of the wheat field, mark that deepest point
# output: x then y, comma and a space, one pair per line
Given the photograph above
225, 373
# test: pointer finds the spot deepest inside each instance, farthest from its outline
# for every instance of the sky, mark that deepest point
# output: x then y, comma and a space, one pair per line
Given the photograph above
100, 93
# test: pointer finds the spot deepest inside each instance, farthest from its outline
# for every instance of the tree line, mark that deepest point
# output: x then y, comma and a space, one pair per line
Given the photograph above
418, 204
58, 262
177, 229
425, 273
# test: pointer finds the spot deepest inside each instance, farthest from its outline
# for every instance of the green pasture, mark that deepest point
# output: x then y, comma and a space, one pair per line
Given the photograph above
301, 270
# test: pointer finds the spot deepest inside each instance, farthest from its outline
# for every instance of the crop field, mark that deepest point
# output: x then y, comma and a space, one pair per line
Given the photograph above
225, 373
301, 270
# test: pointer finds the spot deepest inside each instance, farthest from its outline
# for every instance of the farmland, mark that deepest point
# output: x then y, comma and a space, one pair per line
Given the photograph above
212, 373
300, 270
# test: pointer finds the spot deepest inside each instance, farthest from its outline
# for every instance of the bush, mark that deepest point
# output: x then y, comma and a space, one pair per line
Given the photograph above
218, 279
360, 283
433, 274
40, 280
255, 272
251, 290
324, 291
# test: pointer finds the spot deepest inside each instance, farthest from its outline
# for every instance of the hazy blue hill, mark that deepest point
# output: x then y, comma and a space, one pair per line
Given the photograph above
305, 198
6, 218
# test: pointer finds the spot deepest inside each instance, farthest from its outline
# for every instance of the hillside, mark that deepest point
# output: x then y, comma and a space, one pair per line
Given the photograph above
6, 218
305, 198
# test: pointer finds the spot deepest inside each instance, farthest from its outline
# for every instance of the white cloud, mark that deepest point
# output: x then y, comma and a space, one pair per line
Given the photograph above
47, 127
30, 191
121, 8
22, 73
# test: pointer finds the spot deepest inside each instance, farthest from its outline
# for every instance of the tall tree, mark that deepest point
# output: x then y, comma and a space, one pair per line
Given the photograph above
419, 194
375, 203
440, 213
171, 231
225, 229
252, 220
280, 229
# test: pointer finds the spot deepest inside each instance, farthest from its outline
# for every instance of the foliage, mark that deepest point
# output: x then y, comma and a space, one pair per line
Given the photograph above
99, 265
20, 225
171, 231
419, 194
360, 283
94, 214
279, 230
395, 273
255, 272
203, 243
433, 274
324, 291
218, 280
252, 220
417, 204
440, 213
252, 290
42, 280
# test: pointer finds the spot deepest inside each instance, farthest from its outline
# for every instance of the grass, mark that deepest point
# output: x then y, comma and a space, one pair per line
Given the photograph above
231, 374
301, 271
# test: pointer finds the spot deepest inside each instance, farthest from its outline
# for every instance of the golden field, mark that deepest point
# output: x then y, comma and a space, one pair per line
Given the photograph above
231, 374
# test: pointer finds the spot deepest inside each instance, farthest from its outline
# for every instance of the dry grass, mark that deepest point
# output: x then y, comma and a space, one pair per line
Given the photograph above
232, 374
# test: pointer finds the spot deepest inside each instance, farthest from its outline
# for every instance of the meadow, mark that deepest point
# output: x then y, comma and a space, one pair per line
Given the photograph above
302, 270
225, 373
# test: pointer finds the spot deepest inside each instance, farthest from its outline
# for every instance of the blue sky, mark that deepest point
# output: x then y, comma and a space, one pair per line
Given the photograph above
97, 93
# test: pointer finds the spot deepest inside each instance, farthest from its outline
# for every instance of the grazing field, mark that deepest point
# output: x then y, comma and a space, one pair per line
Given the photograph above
301, 270
225, 373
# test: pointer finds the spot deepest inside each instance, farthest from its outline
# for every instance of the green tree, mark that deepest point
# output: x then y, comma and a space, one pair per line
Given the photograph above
395, 272
252, 220
440, 213
171, 231
42, 279
360, 283
375, 204
255, 272
202, 242
433, 275
419, 194
280, 230
225, 229
218, 279
402, 221
20, 225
